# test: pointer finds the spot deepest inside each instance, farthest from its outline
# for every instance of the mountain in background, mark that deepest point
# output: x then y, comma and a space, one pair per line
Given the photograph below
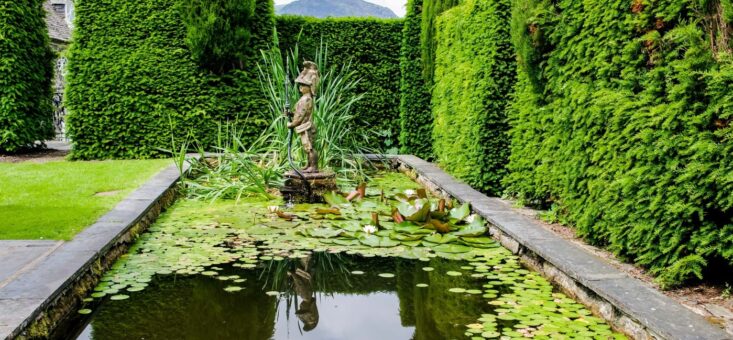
335, 8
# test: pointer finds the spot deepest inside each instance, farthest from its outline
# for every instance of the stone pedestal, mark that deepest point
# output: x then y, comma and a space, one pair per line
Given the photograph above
295, 190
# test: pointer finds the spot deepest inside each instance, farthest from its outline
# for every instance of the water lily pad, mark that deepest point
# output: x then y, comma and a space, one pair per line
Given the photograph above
459, 213
357, 272
386, 275
490, 335
119, 297
428, 269
454, 273
421, 285
232, 289
272, 293
471, 231
84, 311
457, 290
451, 248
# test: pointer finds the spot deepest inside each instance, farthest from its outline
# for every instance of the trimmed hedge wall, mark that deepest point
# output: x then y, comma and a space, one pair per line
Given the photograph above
132, 82
622, 120
415, 116
430, 10
26, 68
474, 75
373, 48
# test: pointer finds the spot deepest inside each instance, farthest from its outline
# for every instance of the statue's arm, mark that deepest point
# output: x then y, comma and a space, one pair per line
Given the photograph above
300, 113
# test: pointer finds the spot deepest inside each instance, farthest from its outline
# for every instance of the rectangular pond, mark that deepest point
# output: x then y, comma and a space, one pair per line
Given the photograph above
396, 264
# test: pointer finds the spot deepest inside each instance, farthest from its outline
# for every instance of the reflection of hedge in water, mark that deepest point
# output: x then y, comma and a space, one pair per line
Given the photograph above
187, 308
435, 310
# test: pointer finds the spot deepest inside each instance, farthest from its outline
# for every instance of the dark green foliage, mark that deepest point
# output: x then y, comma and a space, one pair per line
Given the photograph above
133, 81
218, 32
26, 113
431, 9
372, 46
622, 119
474, 75
415, 116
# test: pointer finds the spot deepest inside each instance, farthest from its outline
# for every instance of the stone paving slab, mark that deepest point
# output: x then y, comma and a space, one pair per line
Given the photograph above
17, 255
38, 272
658, 314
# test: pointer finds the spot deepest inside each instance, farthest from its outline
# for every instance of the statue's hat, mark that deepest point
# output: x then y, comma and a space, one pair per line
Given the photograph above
309, 76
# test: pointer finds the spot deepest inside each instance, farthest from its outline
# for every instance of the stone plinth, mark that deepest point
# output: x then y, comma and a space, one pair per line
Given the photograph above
295, 189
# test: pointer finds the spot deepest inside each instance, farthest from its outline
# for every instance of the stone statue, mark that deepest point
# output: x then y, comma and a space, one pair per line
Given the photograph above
310, 184
303, 118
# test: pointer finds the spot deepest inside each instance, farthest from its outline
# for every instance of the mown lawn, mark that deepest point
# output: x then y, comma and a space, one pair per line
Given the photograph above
56, 200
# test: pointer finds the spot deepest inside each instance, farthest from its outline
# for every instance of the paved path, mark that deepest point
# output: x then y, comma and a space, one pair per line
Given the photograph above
21, 256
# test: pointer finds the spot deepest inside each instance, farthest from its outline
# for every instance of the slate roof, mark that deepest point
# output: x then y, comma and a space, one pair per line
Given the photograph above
58, 30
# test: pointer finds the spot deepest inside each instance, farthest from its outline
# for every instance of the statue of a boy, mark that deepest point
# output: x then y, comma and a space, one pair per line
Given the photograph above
303, 118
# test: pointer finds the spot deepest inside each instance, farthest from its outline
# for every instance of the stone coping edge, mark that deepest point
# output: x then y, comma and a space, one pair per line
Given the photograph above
40, 299
628, 304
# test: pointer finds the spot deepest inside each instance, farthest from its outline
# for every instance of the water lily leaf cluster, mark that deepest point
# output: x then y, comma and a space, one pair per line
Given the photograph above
199, 238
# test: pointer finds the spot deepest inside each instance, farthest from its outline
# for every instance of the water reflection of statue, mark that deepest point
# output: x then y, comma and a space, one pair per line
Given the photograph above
303, 284
303, 119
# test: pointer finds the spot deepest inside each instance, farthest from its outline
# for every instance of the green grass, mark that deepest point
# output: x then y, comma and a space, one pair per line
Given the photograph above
56, 200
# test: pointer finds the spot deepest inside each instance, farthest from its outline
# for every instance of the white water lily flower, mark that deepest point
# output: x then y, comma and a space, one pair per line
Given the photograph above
471, 218
273, 208
370, 229
410, 192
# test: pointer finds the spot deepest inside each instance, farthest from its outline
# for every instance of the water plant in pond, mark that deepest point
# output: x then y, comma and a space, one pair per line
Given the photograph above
224, 242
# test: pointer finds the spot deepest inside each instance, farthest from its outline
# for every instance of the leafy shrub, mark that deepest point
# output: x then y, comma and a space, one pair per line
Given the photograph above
26, 113
474, 75
372, 48
133, 83
622, 119
415, 116
218, 32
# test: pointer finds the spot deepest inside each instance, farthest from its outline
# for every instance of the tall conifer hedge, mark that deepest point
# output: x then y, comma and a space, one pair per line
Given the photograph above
415, 115
474, 76
622, 120
133, 84
26, 68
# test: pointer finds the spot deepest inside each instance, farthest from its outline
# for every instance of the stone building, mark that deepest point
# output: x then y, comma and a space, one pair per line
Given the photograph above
59, 19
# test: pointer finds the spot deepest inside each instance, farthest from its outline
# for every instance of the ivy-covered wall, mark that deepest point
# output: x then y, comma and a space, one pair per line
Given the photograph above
415, 116
133, 84
372, 46
26, 68
622, 121
474, 77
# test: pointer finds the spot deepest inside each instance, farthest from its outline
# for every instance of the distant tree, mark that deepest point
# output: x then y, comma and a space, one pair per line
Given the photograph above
218, 32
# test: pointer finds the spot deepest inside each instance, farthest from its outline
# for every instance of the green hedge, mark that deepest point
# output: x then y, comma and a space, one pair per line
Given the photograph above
430, 10
474, 75
415, 115
373, 48
132, 80
622, 121
26, 68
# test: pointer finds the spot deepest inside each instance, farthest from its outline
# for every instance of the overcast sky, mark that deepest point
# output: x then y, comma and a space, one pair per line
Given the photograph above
397, 6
